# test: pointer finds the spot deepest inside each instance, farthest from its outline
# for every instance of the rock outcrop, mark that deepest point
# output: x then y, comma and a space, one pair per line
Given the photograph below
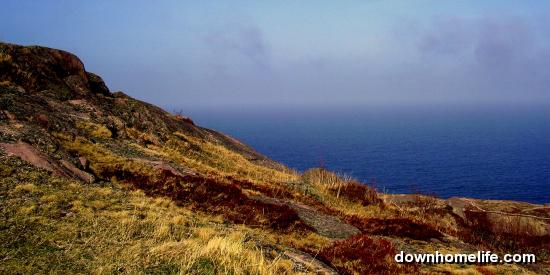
50, 89
30, 154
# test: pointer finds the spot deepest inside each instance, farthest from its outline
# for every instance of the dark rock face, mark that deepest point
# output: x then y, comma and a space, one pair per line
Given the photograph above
97, 85
39, 68
32, 67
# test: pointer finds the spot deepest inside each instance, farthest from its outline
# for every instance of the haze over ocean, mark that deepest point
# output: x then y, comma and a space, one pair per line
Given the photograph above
242, 54
489, 152
357, 85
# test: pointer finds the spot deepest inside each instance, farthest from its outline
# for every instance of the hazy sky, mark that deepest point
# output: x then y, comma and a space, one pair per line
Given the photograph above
197, 54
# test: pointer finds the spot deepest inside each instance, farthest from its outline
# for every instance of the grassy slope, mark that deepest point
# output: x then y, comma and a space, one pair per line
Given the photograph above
54, 225
214, 206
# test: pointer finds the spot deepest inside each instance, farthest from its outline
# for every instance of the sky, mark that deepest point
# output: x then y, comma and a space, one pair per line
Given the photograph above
275, 54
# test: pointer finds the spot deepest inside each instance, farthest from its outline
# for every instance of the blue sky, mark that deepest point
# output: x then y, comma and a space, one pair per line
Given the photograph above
243, 54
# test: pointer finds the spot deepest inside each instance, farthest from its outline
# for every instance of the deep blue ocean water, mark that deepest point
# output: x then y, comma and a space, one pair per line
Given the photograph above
491, 153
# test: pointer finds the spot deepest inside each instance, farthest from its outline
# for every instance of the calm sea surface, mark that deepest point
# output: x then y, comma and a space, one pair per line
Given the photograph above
493, 153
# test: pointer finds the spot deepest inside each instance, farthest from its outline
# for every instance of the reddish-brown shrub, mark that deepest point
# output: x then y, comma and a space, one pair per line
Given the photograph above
357, 192
216, 197
42, 120
399, 227
342, 186
362, 254
484, 270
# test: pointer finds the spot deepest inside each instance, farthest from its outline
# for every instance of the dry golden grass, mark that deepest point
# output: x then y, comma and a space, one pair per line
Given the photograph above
68, 227
5, 83
427, 210
94, 129
28, 187
328, 188
518, 225
224, 160
5, 57
141, 136
102, 160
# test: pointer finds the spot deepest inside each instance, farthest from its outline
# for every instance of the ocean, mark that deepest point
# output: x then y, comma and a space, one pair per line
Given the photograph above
478, 152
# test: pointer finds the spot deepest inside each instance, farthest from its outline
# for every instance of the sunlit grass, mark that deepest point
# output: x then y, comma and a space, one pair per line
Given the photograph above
63, 226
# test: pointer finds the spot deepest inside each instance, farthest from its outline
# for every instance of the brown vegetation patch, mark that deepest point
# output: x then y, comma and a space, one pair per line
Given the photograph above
519, 235
484, 271
216, 197
398, 227
341, 187
362, 254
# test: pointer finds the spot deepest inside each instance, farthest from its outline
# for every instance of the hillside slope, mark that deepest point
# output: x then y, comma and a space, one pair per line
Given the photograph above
95, 181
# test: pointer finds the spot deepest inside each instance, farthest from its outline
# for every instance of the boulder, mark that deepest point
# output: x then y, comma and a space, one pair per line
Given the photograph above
97, 85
